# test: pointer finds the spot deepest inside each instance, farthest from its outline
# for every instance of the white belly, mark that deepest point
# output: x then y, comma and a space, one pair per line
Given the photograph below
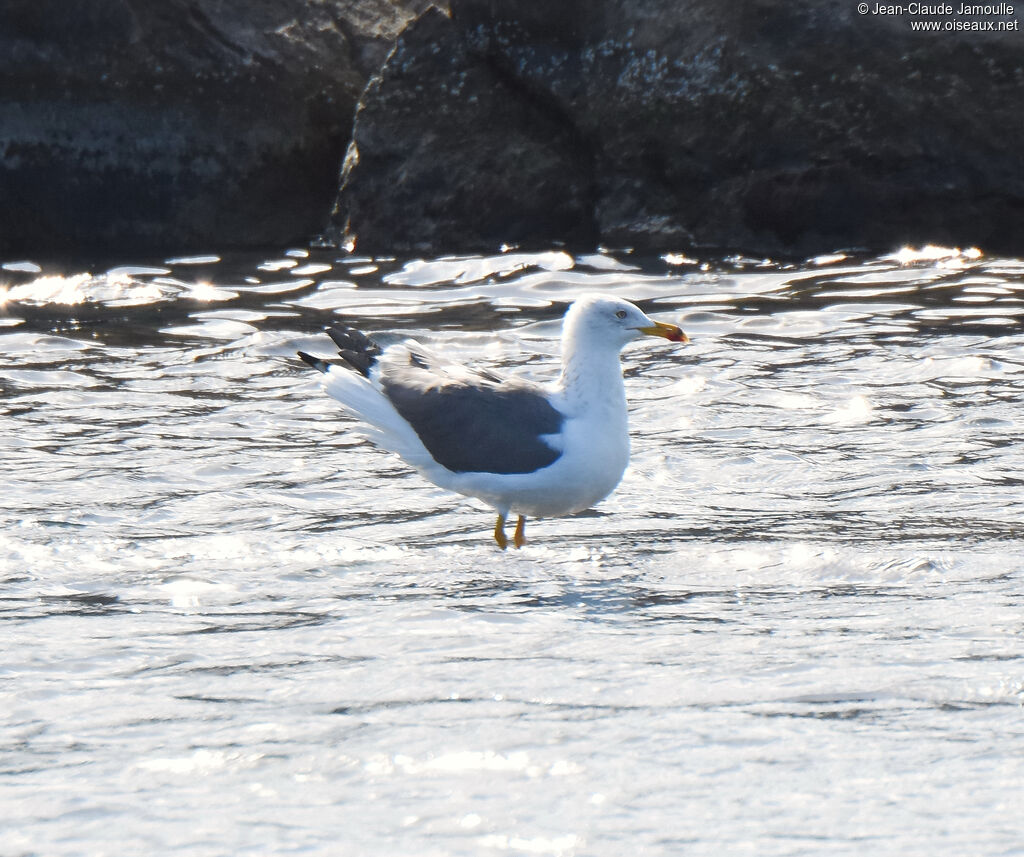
595, 457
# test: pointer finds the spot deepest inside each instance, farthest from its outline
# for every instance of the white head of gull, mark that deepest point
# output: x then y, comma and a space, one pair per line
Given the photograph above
529, 449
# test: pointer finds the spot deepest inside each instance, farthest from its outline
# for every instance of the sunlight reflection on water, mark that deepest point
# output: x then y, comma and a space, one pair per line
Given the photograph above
234, 627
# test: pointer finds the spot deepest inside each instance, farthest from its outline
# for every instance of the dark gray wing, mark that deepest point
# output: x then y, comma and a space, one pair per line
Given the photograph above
476, 425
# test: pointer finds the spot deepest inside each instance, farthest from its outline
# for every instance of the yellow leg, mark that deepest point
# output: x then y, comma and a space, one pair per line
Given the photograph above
499, 533
519, 539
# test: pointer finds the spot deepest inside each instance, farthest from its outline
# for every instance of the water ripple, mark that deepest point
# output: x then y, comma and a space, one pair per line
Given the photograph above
233, 626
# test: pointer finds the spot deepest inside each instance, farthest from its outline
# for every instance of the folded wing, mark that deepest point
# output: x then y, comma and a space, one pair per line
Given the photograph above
476, 425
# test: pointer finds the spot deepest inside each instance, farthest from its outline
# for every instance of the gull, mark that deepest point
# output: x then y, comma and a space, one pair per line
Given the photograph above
536, 450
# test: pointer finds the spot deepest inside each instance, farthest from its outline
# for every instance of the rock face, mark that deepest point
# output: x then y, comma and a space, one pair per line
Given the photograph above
455, 152
772, 126
128, 127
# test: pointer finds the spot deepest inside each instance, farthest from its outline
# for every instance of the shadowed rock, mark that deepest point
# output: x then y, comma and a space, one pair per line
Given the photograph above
773, 126
130, 127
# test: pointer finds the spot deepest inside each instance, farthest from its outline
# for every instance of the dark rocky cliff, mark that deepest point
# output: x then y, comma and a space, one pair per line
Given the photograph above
128, 127
771, 126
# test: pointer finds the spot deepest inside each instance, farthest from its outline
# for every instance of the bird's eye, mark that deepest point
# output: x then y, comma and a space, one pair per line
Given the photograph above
620, 314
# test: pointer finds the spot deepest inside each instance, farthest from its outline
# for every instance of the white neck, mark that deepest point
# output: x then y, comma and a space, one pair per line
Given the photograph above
591, 377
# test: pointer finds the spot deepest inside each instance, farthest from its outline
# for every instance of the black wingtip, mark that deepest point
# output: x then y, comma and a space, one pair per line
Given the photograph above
354, 347
315, 362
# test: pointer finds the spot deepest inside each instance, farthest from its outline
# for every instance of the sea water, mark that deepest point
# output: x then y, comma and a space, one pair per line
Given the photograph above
232, 627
